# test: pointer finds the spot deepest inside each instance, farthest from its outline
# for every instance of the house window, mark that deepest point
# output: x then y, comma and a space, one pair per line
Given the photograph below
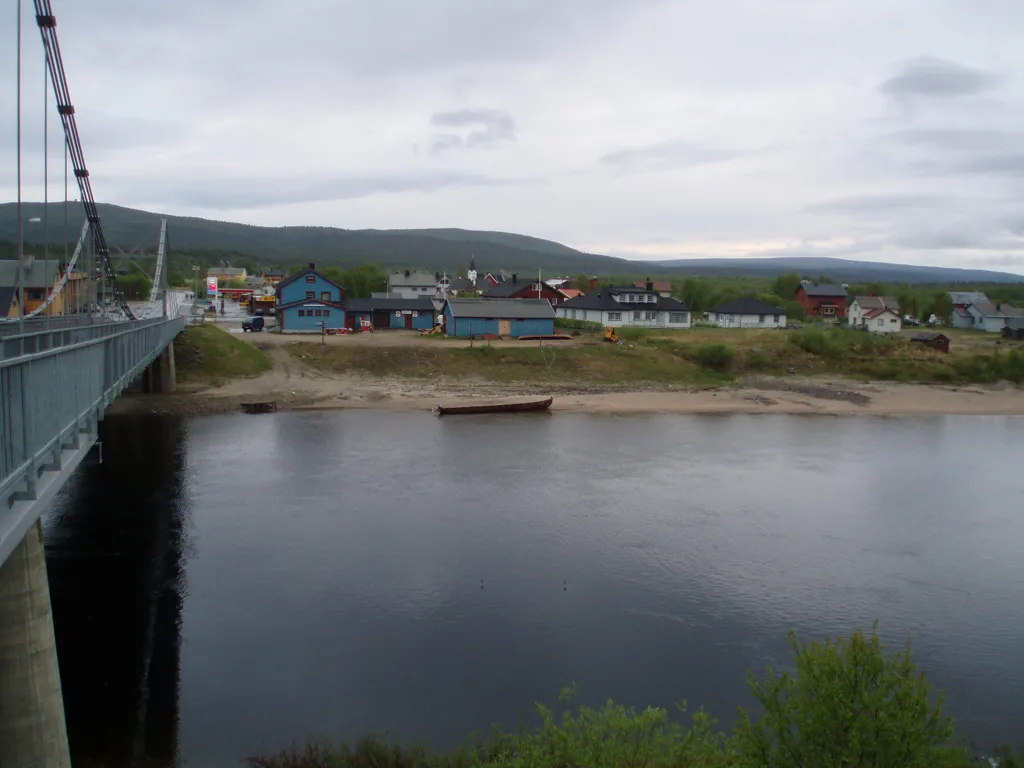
638, 315
325, 296
302, 313
893, 320
310, 294
881, 322
760, 319
317, 313
677, 317
573, 314
775, 319
828, 310
310, 278
650, 315
327, 313
612, 316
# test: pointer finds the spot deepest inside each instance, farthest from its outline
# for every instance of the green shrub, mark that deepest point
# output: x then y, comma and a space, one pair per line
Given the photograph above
578, 325
812, 341
847, 704
760, 359
944, 374
717, 357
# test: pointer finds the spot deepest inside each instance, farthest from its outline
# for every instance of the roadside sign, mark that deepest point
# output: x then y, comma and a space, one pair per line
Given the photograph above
211, 286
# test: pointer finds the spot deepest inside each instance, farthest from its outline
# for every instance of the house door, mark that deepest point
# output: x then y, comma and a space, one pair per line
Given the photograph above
504, 327
381, 318
408, 322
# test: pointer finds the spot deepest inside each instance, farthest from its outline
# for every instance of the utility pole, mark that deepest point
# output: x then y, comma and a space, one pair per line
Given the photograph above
21, 226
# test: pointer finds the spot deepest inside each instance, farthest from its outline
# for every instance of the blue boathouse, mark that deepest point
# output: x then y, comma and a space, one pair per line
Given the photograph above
500, 317
309, 301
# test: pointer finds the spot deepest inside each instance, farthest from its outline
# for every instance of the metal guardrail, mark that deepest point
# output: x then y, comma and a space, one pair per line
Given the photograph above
54, 385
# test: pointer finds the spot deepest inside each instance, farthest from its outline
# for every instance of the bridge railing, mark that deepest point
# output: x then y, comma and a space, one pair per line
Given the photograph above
54, 386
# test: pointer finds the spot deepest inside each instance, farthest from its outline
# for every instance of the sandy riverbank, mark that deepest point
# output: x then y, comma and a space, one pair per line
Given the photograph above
295, 386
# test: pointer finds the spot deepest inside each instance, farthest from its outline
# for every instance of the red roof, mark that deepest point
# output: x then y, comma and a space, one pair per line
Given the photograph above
570, 293
661, 286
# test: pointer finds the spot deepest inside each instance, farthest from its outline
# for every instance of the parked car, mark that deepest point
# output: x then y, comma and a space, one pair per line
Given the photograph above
255, 324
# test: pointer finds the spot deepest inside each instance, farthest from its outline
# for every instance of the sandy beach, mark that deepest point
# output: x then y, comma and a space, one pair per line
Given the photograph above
293, 385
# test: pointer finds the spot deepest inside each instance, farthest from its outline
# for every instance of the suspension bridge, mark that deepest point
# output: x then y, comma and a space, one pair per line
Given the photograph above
62, 362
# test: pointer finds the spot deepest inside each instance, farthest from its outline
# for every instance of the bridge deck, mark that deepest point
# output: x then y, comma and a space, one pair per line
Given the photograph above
57, 375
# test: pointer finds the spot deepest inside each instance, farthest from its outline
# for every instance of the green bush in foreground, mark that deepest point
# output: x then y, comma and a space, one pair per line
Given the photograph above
578, 325
717, 357
845, 704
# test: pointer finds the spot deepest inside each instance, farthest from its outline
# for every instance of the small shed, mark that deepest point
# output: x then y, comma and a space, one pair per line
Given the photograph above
1014, 328
937, 341
500, 317
390, 312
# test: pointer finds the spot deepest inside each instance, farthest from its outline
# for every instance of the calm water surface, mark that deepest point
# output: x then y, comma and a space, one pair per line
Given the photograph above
226, 585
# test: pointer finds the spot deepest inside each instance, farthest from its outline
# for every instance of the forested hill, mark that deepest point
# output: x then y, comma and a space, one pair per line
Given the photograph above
209, 241
206, 242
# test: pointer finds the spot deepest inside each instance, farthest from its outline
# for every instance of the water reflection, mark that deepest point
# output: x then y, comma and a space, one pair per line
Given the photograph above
370, 571
115, 541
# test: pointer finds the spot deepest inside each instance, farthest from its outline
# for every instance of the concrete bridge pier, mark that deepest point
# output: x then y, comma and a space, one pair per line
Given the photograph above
33, 733
158, 378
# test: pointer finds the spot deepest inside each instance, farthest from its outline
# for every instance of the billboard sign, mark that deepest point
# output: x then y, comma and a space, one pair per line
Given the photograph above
211, 286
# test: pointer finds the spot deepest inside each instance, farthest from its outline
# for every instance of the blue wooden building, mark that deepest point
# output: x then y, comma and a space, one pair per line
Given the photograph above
309, 301
500, 317
390, 312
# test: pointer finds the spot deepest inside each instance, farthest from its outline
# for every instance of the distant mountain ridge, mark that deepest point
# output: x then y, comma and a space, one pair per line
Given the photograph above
438, 249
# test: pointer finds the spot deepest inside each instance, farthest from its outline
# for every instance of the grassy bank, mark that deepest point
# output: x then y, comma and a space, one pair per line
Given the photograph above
205, 354
847, 703
691, 358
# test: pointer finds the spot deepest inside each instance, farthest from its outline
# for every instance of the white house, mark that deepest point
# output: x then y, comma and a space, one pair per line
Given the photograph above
973, 310
413, 285
747, 312
627, 307
878, 314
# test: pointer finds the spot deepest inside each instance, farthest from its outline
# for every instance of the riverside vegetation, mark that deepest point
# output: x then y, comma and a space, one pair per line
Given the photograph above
697, 357
844, 704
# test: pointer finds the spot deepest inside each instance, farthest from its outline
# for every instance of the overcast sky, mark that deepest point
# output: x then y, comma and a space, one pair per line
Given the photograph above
878, 129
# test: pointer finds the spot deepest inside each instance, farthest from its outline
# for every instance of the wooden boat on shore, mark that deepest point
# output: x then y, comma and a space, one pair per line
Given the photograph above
268, 407
527, 405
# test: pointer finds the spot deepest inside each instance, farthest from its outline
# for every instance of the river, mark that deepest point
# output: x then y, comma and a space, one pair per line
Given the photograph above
226, 585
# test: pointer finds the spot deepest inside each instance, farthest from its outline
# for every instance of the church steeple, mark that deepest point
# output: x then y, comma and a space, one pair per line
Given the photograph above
471, 275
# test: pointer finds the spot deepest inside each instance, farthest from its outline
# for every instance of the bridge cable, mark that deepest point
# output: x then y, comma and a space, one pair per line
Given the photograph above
46, 174
47, 24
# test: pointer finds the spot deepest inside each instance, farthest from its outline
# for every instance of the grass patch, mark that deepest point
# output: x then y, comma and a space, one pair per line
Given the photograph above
207, 354
594, 364
698, 357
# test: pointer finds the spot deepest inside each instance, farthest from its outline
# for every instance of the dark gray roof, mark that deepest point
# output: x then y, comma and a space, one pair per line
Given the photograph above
823, 289
603, 300
507, 289
7, 294
501, 308
927, 336
423, 304
747, 305
41, 273
1015, 323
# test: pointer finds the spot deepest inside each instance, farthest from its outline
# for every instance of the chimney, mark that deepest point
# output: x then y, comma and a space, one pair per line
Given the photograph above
593, 284
312, 265
514, 277
407, 273
650, 285
29, 260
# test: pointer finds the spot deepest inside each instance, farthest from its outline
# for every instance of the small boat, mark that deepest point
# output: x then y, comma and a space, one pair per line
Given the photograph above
546, 337
270, 407
528, 405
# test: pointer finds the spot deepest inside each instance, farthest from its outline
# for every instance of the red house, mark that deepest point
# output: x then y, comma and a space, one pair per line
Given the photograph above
828, 302
528, 289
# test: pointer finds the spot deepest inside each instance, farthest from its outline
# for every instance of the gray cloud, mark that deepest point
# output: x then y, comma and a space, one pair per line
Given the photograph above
936, 78
234, 193
665, 155
958, 139
490, 126
874, 204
